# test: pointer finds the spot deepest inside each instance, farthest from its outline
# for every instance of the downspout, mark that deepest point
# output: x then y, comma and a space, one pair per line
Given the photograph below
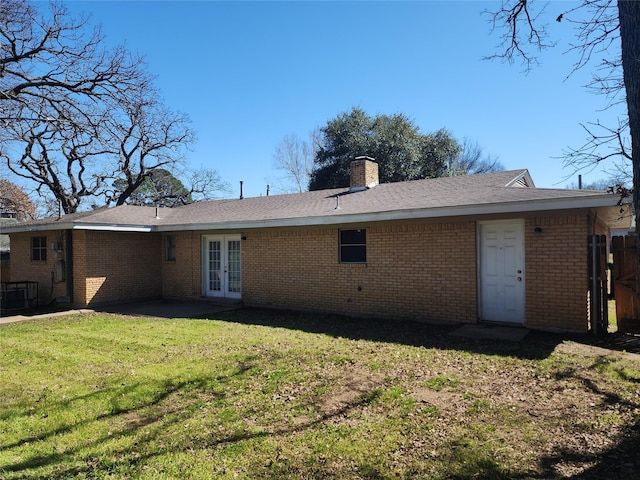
595, 297
68, 240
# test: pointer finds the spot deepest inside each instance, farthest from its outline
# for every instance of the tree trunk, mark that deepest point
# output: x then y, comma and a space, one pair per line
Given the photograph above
629, 15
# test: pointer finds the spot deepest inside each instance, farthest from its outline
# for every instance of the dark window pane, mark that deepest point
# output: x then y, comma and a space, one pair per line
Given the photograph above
170, 253
353, 237
353, 254
39, 249
353, 246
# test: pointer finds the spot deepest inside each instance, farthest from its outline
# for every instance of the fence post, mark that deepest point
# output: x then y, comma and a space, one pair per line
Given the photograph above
593, 283
597, 284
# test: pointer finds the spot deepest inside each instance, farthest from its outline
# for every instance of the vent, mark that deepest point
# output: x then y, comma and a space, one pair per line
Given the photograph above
521, 182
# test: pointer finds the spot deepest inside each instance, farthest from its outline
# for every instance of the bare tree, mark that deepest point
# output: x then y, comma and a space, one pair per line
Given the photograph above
608, 29
472, 159
75, 115
143, 138
294, 157
206, 184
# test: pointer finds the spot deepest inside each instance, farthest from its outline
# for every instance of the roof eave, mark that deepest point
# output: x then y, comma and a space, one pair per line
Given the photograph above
115, 227
513, 207
78, 226
599, 201
38, 228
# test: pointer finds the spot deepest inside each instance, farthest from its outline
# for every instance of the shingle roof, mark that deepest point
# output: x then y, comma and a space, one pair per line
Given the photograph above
447, 196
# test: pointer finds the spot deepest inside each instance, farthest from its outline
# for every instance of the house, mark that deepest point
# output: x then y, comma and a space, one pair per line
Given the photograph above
487, 247
6, 218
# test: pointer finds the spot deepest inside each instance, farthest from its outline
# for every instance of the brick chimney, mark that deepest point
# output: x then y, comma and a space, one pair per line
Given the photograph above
364, 173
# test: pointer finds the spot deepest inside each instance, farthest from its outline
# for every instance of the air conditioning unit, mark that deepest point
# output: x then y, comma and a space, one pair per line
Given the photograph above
19, 295
16, 299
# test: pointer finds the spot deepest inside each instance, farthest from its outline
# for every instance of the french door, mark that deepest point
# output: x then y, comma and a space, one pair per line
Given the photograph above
222, 272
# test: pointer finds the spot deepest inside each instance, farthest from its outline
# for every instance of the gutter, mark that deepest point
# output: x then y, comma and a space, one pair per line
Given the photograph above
606, 200
337, 217
79, 226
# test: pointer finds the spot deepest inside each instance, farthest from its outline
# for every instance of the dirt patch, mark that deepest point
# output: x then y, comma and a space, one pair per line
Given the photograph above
444, 401
577, 348
352, 387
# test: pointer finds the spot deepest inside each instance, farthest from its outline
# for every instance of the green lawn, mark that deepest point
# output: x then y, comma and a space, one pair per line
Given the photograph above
274, 395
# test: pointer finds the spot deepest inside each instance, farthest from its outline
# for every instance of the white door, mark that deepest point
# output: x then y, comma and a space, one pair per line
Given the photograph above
502, 271
222, 272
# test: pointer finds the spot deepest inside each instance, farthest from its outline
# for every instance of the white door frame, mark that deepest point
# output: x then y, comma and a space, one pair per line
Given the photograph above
225, 281
501, 282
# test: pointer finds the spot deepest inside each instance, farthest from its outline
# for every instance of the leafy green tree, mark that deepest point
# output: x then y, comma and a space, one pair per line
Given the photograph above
394, 141
162, 189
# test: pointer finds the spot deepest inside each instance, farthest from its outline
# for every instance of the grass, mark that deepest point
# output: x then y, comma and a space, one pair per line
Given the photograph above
273, 395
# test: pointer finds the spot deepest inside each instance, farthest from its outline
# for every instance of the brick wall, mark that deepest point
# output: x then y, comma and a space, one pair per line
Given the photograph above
410, 271
422, 270
556, 272
363, 172
23, 268
182, 277
116, 266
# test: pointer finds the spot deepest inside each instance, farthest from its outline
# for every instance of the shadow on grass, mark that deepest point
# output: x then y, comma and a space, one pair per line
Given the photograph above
131, 404
115, 395
621, 461
536, 345
403, 332
90, 458
147, 419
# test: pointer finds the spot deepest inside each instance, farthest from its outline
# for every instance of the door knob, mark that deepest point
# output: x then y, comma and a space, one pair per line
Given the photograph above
519, 279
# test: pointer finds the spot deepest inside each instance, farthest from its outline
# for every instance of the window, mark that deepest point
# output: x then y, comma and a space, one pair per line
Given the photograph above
170, 247
353, 246
38, 249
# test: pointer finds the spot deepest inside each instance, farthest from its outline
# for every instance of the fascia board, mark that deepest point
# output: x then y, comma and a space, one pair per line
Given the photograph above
605, 200
114, 228
37, 228
78, 226
595, 201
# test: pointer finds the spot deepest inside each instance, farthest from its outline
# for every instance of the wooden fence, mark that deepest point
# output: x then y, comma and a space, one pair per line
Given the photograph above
626, 283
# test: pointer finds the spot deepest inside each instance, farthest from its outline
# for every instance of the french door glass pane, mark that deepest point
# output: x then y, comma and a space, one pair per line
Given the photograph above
233, 247
215, 264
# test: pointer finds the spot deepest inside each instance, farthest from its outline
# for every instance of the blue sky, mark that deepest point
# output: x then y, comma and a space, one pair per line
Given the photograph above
250, 73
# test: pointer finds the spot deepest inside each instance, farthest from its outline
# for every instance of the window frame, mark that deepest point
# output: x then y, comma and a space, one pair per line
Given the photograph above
170, 242
357, 250
39, 252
